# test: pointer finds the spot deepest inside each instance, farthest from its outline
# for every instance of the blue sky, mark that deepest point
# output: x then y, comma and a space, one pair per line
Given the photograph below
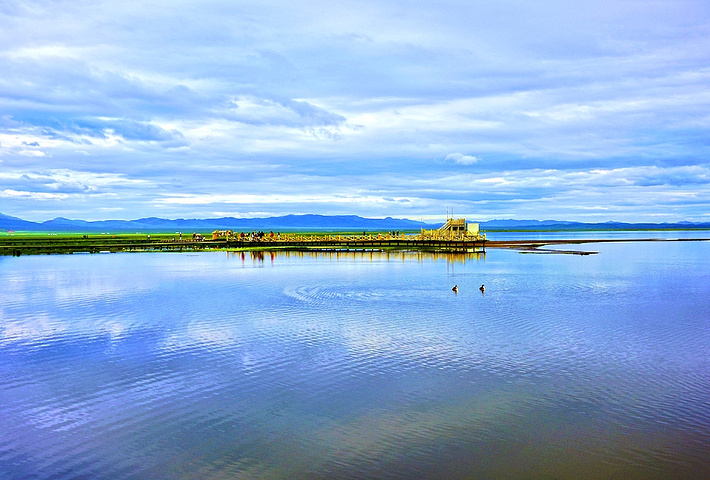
587, 111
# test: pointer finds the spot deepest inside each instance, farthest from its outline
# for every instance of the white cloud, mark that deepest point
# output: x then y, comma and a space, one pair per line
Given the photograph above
7, 193
312, 102
461, 159
276, 198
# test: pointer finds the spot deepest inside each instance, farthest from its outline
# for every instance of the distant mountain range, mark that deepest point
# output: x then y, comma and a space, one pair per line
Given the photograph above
308, 222
153, 224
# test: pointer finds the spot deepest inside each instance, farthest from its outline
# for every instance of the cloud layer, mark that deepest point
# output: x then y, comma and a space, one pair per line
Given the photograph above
128, 109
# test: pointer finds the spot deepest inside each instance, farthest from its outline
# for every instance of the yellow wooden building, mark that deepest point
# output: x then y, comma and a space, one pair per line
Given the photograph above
454, 229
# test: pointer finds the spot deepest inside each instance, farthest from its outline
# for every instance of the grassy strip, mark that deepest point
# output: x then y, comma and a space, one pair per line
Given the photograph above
31, 244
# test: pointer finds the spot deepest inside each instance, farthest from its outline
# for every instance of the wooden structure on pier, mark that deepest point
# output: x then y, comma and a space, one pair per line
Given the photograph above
454, 229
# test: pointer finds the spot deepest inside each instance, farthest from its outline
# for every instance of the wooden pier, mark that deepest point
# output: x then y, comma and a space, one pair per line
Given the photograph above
17, 246
456, 235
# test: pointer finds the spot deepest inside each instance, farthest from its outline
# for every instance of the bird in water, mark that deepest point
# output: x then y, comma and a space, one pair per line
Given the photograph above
482, 288
455, 289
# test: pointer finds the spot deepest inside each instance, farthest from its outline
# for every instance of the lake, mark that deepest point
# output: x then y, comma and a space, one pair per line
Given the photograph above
357, 365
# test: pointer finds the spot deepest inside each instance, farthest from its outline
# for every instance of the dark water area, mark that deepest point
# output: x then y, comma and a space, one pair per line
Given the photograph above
357, 365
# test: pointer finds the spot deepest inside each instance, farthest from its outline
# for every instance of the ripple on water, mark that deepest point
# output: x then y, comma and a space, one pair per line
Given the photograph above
375, 371
346, 293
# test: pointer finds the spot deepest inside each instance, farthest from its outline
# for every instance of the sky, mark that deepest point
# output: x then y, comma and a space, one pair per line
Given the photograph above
569, 110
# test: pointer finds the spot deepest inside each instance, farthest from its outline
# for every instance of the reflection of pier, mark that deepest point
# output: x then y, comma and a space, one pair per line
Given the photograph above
364, 243
451, 258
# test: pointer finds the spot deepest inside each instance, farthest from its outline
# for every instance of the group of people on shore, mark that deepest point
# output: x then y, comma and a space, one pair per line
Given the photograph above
254, 236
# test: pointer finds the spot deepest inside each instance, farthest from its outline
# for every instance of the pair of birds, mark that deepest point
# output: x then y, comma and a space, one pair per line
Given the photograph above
481, 288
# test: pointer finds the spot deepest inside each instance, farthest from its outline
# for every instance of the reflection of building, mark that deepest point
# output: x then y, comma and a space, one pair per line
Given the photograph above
454, 229
363, 255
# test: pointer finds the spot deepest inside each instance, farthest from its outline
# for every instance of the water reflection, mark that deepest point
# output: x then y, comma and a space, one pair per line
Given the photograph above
356, 365
359, 255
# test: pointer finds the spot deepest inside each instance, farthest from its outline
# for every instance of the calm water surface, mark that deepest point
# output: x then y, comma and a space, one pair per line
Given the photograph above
222, 366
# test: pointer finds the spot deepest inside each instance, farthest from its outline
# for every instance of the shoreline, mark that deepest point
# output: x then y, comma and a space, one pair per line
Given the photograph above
537, 246
69, 244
